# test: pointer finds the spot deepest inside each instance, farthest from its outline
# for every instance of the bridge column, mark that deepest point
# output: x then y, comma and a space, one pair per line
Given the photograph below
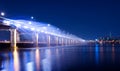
62, 41
13, 37
74, 42
66, 42
48, 40
56, 38
70, 41
36, 38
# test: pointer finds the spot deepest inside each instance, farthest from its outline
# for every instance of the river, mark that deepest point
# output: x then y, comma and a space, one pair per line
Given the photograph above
73, 58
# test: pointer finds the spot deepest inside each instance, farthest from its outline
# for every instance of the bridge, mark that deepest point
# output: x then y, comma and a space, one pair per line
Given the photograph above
37, 33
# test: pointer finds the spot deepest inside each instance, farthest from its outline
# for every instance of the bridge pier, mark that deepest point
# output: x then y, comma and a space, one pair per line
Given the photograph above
56, 41
66, 42
62, 41
36, 39
48, 40
13, 38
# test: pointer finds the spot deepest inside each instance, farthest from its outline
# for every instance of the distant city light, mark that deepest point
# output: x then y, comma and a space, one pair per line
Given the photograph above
2, 14
96, 39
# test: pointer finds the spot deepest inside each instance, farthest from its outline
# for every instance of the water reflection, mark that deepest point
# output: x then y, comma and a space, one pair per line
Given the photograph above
113, 54
101, 54
37, 54
58, 59
96, 53
46, 62
29, 66
28, 60
16, 60
4, 62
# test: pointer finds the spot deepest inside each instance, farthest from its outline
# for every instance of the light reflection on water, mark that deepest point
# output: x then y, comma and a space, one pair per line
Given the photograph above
37, 54
113, 53
97, 53
46, 62
58, 59
16, 60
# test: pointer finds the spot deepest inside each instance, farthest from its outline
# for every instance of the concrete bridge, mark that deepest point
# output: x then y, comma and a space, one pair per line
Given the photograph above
36, 33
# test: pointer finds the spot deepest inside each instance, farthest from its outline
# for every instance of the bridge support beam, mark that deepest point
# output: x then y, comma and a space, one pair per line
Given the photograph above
48, 40
56, 38
66, 42
36, 39
62, 41
13, 37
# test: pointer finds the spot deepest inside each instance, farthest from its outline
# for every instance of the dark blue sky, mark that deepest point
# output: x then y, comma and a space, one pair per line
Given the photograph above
85, 18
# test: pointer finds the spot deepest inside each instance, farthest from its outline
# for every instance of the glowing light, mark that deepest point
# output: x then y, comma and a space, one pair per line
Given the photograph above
32, 17
16, 60
26, 27
6, 22
48, 25
37, 53
44, 27
96, 39
46, 62
17, 25
37, 30
2, 14
83, 40
58, 29
29, 66
29, 23
41, 27
32, 29
42, 31
46, 32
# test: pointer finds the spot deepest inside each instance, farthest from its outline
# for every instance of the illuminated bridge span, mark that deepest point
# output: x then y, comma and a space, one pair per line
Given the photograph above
24, 31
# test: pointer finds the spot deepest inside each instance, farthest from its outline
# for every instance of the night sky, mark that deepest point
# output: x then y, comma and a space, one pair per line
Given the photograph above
87, 19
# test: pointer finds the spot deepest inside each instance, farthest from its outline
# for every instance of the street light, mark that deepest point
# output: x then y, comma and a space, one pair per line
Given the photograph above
2, 14
32, 17
48, 25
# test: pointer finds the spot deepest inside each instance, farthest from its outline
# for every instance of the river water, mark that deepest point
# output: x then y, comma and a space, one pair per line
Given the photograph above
92, 58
